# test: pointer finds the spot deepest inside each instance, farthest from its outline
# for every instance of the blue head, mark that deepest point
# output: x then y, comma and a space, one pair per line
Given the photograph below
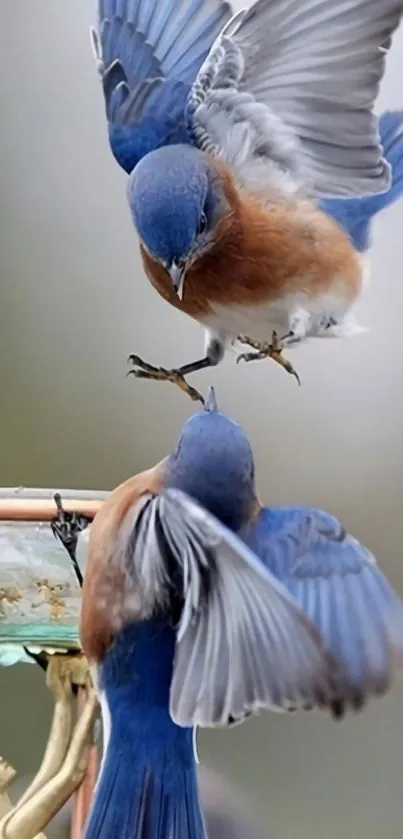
213, 463
176, 200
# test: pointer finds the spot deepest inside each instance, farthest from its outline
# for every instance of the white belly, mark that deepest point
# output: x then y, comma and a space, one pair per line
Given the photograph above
258, 322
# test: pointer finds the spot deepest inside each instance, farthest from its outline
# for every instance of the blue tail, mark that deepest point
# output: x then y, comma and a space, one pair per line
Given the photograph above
356, 214
147, 787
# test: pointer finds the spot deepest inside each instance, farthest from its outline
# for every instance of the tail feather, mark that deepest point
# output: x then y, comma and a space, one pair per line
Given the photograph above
144, 799
355, 214
147, 785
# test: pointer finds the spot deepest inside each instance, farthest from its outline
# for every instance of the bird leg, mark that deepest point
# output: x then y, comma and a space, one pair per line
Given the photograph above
215, 343
142, 370
273, 350
299, 327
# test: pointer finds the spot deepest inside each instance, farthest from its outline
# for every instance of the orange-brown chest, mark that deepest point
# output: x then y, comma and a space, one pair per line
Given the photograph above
259, 254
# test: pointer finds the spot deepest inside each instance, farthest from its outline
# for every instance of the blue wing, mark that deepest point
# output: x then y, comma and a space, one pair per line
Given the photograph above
148, 54
242, 642
340, 588
356, 214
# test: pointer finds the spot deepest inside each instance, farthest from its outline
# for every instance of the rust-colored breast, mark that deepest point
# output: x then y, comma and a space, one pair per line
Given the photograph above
104, 583
263, 253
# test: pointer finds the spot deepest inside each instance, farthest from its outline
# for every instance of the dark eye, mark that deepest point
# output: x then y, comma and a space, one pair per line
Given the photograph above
202, 223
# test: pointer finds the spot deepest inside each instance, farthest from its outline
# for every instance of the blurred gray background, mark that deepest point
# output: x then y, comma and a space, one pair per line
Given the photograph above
74, 303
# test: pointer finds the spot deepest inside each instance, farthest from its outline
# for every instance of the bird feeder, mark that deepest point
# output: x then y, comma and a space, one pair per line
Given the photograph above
42, 558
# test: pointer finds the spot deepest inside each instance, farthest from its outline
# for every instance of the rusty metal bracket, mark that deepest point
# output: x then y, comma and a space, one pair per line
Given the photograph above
69, 753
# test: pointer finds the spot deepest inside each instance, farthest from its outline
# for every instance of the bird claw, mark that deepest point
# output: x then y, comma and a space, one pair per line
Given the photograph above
66, 527
142, 370
273, 351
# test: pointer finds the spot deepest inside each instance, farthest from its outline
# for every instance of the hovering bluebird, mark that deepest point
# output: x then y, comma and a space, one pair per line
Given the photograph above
232, 129
201, 607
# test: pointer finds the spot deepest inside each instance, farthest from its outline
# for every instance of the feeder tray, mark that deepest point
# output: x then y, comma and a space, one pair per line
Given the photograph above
40, 601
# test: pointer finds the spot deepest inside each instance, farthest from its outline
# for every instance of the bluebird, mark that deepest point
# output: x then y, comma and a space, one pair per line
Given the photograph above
232, 129
202, 607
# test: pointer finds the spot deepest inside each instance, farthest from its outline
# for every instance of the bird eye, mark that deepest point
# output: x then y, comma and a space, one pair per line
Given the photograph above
202, 223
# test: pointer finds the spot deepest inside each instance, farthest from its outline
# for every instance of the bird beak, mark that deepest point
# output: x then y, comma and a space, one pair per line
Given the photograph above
177, 274
210, 402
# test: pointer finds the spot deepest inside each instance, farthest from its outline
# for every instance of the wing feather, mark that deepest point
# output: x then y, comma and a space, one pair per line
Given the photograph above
301, 78
243, 643
339, 586
148, 54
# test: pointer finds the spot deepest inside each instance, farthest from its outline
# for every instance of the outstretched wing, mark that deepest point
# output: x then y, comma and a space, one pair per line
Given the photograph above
356, 214
243, 643
148, 53
339, 586
289, 86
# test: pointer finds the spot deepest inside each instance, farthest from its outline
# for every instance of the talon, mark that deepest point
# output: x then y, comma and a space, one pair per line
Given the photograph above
160, 374
182, 384
136, 361
244, 339
66, 527
283, 362
273, 350
250, 356
146, 370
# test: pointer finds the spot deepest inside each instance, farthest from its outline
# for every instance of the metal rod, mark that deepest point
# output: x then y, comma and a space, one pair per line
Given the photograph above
28, 820
61, 727
92, 775
38, 509
82, 797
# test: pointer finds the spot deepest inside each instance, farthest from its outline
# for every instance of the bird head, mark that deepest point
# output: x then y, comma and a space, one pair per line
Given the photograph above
176, 200
213, 463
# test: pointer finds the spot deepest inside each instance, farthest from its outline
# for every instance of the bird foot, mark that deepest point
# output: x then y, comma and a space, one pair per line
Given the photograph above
66, 527
142, 370
273, 350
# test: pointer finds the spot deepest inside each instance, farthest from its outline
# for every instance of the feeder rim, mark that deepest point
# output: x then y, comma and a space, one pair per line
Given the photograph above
32, 504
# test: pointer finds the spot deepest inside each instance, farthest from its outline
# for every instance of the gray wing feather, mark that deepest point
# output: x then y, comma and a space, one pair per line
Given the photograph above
243, 643
287, 93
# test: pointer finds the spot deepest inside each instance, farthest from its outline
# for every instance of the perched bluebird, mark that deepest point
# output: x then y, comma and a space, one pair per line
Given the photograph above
201, 607
232, 129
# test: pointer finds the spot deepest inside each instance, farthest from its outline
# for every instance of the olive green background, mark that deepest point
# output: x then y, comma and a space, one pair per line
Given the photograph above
74, 303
